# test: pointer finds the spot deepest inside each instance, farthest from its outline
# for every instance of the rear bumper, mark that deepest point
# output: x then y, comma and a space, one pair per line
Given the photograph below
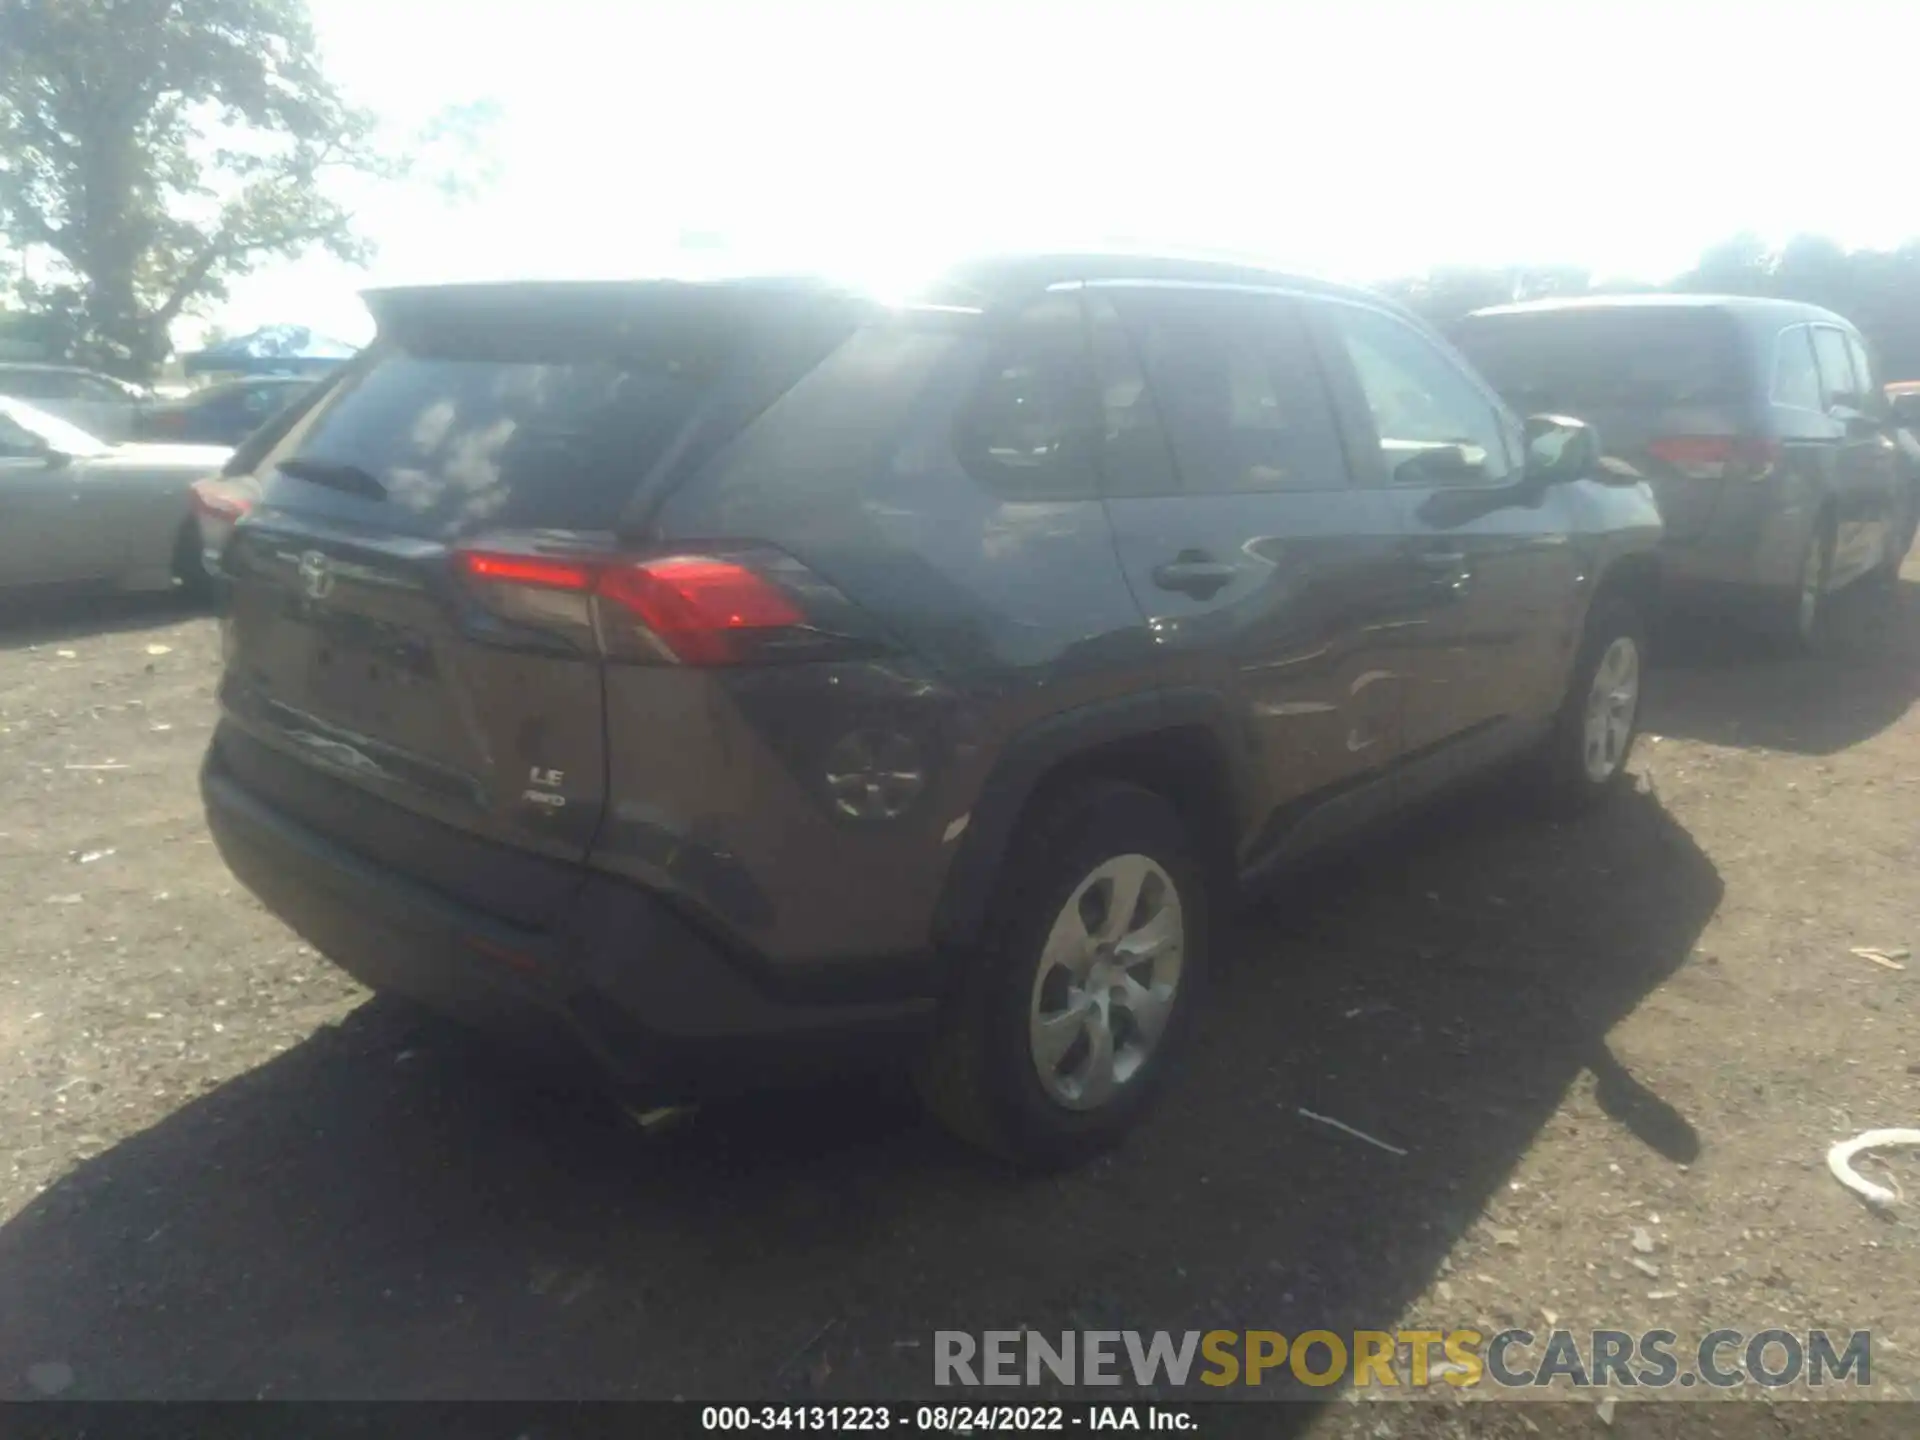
620, 983
1753, 540
1753, 543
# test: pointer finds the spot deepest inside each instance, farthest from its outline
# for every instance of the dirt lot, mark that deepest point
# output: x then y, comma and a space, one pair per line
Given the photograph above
227, 1173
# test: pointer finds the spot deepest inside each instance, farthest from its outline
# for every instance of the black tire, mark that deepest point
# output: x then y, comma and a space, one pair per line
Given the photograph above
980, 1075
1567, 785
1800, 625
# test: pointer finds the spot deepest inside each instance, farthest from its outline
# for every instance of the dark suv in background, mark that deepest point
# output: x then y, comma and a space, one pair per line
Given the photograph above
716, 678
221, 414
1761, 425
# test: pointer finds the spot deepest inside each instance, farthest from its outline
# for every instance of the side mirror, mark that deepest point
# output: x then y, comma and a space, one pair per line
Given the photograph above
1559, 449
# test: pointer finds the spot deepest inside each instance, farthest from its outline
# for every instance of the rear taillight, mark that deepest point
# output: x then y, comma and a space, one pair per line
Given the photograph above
705, 611
684, 609
213, 499
1717, 457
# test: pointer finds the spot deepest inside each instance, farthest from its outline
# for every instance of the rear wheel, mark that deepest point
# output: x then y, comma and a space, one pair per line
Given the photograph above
1585, 757
1077, 1005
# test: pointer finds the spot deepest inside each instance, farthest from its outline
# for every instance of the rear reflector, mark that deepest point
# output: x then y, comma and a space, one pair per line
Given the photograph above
528, 570
1716, 457
696, 609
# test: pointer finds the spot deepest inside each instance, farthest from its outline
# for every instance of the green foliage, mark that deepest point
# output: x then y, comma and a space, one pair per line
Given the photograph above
158, 150
1879, 290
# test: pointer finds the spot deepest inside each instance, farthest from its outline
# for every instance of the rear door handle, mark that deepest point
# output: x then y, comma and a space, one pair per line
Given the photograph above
1194, 572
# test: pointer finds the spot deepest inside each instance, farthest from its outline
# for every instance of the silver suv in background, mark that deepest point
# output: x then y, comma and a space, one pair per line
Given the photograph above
1761, 424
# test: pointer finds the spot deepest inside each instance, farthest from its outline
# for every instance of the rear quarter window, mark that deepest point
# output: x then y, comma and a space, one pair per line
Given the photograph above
1028, 431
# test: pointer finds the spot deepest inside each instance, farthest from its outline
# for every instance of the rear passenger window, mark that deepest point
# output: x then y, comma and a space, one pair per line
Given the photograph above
1435, 426
1871, 397
1796, 379
1028, 433
1234, 381
1837, 383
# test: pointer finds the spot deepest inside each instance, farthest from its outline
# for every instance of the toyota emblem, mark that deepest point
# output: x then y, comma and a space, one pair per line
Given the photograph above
316, 575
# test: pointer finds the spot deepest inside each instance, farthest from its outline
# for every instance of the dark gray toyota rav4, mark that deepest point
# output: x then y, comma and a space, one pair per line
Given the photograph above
716, 679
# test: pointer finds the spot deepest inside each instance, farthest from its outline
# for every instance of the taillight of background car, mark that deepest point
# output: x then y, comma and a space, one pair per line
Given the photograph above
217, 501
1717, 457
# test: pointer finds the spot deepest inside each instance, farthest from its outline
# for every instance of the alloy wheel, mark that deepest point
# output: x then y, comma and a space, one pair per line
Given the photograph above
1106, 983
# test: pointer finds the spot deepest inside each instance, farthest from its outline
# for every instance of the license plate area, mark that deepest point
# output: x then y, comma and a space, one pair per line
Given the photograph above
370, 675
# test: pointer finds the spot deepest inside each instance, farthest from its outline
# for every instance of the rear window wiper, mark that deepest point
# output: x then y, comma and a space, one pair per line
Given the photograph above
336, 475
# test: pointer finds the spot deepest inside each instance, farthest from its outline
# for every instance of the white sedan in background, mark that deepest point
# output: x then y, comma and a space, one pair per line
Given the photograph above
99, 404
77, 510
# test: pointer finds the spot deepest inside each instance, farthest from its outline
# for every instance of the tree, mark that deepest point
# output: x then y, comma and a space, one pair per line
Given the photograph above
1445, 294
1879, 290
160, 149
1738, 266
1815, 269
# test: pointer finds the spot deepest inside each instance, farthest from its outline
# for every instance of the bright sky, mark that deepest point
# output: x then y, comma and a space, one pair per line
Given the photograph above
1353, 139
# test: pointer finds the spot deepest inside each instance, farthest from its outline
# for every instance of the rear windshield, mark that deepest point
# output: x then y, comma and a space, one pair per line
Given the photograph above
478, 416
1572, 359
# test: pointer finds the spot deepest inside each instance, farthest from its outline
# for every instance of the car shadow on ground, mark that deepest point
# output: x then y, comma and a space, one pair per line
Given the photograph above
385, 1211
55, 618
1726, 683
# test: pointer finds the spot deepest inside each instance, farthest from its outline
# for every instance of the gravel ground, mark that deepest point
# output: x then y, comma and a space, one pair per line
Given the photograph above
1615, 1053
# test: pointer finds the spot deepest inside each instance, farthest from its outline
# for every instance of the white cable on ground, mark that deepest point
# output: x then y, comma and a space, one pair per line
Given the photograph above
1839, 1160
